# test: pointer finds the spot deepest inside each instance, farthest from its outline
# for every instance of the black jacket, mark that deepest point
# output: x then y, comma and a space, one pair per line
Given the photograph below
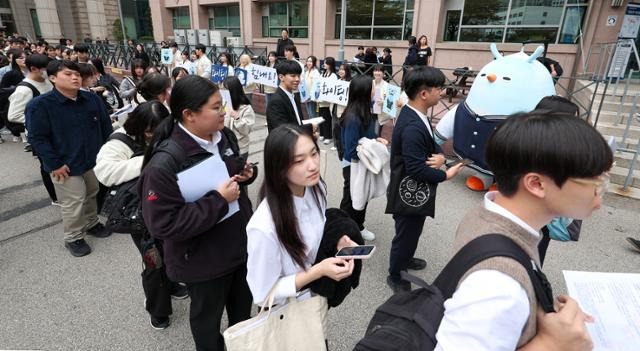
338, 224
281, 45
196, 247
280, 111
412, 56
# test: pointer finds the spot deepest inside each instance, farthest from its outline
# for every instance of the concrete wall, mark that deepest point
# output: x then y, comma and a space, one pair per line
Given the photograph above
22, 17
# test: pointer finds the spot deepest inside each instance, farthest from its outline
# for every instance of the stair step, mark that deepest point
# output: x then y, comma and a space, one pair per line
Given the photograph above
619, 174
608, 128
623, 160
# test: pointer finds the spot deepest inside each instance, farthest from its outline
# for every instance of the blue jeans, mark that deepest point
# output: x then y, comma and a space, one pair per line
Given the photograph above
311, 109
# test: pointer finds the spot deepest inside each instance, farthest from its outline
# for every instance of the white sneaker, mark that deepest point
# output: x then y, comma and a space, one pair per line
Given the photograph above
321, 138
367, 235
327, 141
55, 203
16, 139
333, 148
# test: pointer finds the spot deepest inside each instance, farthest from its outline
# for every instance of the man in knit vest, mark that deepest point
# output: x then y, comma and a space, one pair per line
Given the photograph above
546, 165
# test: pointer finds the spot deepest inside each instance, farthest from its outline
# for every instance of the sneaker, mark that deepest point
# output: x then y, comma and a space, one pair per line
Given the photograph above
399, 285
635, 243
5, 131
333, 148
99, 231
321, 138
180, 292
327, 141
417, 264
16, 139
159, 323
56, 203
1, 140
78, 248
27, 147
367, 235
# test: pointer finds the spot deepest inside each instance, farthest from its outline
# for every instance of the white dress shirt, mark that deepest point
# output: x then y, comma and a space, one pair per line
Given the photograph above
210, 146
268, 260
293, 102
424, 119
489, 309
203, 67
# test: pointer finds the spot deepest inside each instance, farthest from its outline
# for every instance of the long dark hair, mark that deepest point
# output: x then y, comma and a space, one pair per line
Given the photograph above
14, 60
347, 71
146, 116
190, 92
97, 63
238, 97
151, 86
359, 101
332, 63
279, 150
135, 63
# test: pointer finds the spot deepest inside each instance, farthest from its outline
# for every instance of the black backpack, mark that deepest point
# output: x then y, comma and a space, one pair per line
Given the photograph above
410, 320
14, 127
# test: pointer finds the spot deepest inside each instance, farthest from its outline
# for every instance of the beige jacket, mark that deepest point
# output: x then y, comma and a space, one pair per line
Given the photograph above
241, 126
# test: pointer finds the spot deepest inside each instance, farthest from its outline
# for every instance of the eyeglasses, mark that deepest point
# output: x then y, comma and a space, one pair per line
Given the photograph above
220, 108
601, 185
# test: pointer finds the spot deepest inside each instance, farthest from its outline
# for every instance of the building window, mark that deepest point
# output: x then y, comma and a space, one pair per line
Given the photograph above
376, 19
515, 21
181, 18
290, 15
36, 23
225, 18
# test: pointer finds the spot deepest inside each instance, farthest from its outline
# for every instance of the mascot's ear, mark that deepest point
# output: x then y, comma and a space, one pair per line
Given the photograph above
494, 51
536, 54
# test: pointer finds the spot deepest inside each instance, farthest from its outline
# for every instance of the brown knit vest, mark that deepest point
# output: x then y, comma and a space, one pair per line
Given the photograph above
482, 221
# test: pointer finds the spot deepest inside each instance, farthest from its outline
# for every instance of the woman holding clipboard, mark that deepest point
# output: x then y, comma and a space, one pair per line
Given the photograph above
192, 199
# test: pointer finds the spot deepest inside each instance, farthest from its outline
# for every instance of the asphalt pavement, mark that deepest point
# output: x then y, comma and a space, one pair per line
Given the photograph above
50, 300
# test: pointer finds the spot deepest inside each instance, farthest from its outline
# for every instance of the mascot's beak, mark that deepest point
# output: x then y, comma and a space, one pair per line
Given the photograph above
491, 77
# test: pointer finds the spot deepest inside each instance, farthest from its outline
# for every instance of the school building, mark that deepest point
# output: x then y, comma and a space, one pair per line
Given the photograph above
459, 31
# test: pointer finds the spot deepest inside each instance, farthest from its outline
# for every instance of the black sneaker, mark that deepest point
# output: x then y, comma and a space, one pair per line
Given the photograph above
635, 243
180, 292
27, 147
159, 323
78, 248
399, 285
417, 264
99, 231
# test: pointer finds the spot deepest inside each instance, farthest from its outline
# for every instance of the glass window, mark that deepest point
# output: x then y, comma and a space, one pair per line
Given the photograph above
36, 22
536, 12
376, 19
451, 25
290, 15
225, 18
518, 35
482, 12
573, 19
481, 34
181, 18
514, 20
5, 5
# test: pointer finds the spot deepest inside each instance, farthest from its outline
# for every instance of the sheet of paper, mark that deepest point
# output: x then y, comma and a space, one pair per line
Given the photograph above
207, 175
377, 99
613, 299
125, 110
315, 121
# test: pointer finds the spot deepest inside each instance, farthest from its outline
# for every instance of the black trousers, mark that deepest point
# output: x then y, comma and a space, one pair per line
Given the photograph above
326, 127
543, 245
209, 299
48, 183
405, 242
346, 205
157, 286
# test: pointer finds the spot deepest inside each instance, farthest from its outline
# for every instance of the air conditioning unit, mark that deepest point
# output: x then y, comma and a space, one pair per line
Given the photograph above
180, 36
218, 37
235, 42
192, 37
203, 36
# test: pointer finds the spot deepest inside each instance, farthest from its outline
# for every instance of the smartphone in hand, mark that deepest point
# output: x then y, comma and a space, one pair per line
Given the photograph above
360, 252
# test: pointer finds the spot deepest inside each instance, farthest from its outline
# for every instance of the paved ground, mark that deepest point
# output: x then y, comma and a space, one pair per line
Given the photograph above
51, 300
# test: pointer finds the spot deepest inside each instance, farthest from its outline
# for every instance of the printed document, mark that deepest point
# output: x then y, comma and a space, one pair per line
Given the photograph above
613, 299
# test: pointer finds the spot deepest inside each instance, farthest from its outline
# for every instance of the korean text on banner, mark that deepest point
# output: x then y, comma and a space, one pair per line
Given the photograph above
219, 73
262, 75
331, 90
393, 94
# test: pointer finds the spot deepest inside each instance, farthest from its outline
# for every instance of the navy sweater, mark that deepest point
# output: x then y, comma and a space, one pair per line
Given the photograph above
351, 132
412, 140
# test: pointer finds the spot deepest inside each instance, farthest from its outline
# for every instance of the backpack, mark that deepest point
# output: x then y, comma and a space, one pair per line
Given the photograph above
410, 320
5, 93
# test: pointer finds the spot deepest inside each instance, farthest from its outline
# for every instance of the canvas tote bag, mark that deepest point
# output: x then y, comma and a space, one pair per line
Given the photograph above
299, 324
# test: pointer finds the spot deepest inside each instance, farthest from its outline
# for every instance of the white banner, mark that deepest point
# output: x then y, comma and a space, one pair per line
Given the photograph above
262, 75
330, 90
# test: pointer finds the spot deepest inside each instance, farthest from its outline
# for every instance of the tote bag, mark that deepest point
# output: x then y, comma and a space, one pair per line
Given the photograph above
295, 325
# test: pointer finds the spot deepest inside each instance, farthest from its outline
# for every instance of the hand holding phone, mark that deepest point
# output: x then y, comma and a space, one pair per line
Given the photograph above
464, 162
360, 252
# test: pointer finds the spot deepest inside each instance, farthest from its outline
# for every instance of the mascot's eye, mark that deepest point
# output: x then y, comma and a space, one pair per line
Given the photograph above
483, 74
506, 78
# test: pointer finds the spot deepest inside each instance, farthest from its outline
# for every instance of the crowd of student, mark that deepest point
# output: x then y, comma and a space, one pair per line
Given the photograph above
215, 249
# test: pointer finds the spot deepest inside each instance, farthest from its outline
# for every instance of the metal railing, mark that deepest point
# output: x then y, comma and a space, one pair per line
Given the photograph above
633, 116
